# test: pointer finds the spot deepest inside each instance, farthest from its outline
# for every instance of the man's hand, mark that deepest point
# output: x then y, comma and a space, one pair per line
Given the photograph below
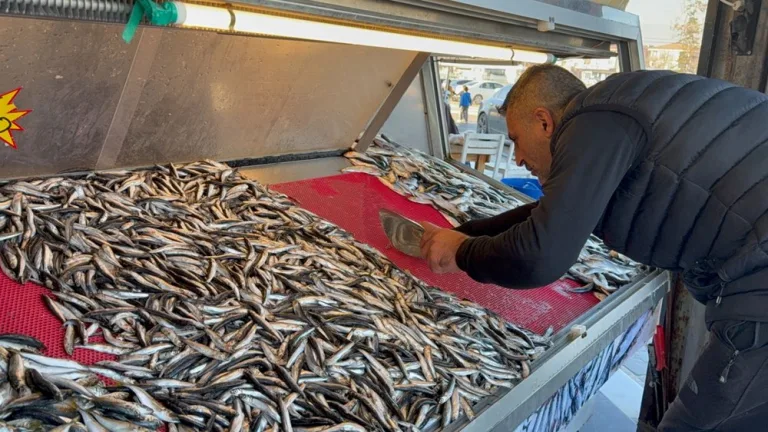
439, 247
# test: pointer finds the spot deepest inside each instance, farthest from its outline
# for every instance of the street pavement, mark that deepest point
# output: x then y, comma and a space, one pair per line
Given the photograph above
471, 125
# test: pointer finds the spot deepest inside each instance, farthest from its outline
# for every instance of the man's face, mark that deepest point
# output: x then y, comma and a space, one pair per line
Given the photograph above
531, 132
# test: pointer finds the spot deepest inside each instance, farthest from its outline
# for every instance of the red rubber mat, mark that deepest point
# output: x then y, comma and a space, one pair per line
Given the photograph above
22, 310
352, 201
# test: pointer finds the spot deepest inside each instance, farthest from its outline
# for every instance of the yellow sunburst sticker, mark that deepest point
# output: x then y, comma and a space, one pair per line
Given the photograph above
8, 116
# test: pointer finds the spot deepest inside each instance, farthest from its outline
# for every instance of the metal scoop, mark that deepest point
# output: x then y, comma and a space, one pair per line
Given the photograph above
404, 234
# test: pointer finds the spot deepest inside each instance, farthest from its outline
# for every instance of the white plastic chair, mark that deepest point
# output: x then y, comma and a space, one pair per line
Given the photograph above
483, 145
507, 166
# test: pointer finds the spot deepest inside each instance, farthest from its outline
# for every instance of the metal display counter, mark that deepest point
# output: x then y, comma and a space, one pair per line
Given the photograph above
284, 110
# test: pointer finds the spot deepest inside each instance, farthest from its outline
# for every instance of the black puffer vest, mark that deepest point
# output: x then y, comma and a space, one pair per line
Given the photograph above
696, 197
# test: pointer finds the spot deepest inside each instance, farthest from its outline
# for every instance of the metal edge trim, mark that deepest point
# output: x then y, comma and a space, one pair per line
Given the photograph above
234, 163
600, 310
367, 15
288, 157
384, 111
615, 23
559, 364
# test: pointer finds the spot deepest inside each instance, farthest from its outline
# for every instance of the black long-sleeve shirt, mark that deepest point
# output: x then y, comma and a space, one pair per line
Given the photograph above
535, 244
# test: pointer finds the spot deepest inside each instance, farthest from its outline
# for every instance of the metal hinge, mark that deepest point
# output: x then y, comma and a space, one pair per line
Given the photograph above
744, 25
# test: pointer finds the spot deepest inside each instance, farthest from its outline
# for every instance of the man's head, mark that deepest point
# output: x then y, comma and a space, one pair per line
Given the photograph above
534, 108
466, 89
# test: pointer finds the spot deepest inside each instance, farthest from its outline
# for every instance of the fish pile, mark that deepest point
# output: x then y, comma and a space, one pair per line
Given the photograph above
460, 197
424, 179
40, 393
602, 269
230, 307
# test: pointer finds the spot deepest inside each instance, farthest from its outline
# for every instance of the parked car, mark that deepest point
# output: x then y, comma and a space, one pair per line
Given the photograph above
482, 90
459, 83
489, 120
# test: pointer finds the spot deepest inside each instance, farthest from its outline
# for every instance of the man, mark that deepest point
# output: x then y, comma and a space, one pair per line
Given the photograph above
465, 100
452, 128
669, 169
448, 94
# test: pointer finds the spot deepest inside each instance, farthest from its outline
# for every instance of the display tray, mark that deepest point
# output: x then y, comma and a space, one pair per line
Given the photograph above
351, 201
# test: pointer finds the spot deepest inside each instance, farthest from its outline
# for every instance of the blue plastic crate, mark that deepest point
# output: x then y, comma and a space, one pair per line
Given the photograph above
528, 186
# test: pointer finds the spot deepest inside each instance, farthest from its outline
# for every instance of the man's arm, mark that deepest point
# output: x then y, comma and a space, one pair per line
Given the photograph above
496, 225
592, 155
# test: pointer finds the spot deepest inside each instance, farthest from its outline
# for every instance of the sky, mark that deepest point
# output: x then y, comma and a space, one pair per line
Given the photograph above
656, 19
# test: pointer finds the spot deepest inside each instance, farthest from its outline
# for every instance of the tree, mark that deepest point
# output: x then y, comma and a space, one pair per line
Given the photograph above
661, 57
689, 27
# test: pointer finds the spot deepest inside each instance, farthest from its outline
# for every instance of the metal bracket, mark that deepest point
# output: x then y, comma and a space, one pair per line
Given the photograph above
744, 26
577, 331
545, 26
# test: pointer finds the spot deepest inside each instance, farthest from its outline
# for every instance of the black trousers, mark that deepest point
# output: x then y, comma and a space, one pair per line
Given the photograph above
452, 128
727, 389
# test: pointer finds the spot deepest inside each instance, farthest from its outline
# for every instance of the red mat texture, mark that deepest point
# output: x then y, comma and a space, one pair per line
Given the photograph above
351, 201
23, 311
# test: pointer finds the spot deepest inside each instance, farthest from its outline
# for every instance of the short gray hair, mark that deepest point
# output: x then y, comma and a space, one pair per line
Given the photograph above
545, 85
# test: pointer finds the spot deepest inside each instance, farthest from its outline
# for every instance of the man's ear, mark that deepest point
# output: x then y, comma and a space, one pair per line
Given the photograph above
544, 118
